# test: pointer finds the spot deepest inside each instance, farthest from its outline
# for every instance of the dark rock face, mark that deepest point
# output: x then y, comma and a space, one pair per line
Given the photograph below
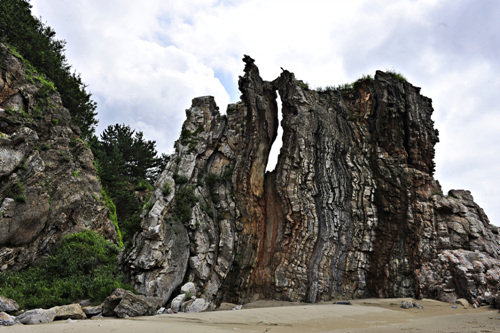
137, 305
48, 183
352, 209
123, 303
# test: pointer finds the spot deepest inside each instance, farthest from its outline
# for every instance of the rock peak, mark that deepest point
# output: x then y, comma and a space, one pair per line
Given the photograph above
352, 209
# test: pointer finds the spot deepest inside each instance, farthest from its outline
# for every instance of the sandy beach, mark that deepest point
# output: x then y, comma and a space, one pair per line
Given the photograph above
368, 315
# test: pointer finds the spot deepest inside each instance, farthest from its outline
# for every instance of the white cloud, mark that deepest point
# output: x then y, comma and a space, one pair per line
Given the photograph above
134, 79
145, 61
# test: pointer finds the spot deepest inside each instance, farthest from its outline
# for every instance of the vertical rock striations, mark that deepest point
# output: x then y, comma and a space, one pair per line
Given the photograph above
48, 183
352, 209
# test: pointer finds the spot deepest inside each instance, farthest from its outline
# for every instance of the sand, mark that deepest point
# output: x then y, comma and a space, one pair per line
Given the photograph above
368, 315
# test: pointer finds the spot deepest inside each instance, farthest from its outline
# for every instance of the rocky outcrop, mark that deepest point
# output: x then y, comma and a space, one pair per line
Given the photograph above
37, 316
123, 303
351, 210
70, 311
8, 305
186, 301
48, 183
7, 320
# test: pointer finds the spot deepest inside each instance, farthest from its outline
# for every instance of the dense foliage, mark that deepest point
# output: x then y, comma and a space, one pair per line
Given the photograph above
127, 164
36, 43
84, 267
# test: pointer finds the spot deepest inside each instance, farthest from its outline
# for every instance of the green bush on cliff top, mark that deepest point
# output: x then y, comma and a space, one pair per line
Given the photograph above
84, 267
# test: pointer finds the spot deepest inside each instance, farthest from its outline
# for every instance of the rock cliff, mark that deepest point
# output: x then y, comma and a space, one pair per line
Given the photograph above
351, 210
48, 183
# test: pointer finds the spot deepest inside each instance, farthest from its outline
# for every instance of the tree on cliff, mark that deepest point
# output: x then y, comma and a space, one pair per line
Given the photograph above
127, 163
36, 42
138, 158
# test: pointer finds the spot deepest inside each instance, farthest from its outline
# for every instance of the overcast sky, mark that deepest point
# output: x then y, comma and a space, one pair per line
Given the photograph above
145, 60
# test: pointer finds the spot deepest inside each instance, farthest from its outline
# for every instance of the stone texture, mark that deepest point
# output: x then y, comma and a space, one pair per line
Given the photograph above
112, 301
197, 305
177, 302
463, 302
48, 183
37, 316
351, 210
91, 311
8, 305
411, 304
133, 305
71, 311
189, 289
7, 320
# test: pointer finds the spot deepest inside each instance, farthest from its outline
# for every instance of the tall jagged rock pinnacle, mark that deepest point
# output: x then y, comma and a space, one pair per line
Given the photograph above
351, 210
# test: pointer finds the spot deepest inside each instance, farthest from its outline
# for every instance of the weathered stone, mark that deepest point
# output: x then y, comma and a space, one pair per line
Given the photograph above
8, 305
351, 210
71, 311
463, 302
91, 311
132, 305
7, 320
411, 304
189, 289
112, 301
37, 316
177, 302
198, 305
40, 152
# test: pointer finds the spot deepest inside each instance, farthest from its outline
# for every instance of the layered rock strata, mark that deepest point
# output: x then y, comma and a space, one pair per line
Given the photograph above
351, 210
48, 183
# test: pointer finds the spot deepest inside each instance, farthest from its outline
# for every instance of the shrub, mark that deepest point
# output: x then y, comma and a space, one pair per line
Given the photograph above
17, 192
345, 86
166, 189
179, 180
148, 206
112, 215
143, 185
84, 267
397, 75
21, 198
66, 157
185, 199
303, 85
325, 89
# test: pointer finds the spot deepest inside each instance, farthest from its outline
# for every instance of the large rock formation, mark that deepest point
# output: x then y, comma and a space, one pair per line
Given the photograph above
48, 183
352, 209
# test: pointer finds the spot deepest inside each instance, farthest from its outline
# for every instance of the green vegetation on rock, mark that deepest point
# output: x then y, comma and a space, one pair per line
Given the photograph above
112, 215
127, 165
185, 199
397, 75
35, 43
84, 267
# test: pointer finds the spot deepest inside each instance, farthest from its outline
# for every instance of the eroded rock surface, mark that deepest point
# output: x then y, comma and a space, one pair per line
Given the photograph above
70, 311
37, 316
8, 305
48, 183
352, 209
